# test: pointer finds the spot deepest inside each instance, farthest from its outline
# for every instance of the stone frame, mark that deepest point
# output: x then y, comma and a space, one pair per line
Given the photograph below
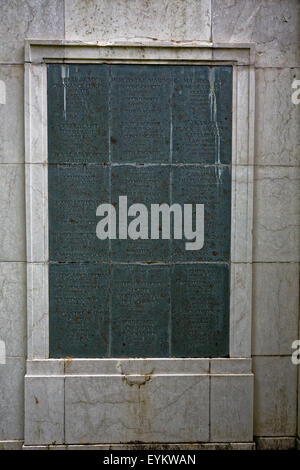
50, 376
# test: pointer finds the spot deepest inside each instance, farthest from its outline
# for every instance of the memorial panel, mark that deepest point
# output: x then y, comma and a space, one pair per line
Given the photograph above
140, 107
74, 194
200, 310
139, 178
211, 186
77, 114
142, 185
202, 116
140, 304
79, 309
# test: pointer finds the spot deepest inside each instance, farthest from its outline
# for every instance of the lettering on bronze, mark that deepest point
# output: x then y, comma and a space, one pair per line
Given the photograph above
157, 136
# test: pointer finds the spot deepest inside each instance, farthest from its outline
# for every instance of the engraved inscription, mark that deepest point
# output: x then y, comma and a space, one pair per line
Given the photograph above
200, 310
74, 193
147, 185
157, 134
77, 114
140, 310
140, 113
211, 186
79, 307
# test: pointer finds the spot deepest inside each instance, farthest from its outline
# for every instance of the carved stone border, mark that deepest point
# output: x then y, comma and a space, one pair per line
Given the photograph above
51, 377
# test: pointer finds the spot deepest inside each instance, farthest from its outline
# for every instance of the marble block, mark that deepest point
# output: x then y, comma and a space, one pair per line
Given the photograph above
12, 398
231, 408
159, 19
12, 213
13, 308
11, 114
103, 409
28, 19
277, 118
275, 396
272, 26
276, 214
275, 307
44, 410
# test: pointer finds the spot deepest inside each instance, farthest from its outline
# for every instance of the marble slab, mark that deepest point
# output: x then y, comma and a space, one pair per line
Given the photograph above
273, 27
12, 213
13, 308
275, 307
137, 408
44, 410
231, 408
276, 214
277, 122
34, 18
11, 114
275, 396
189, 20
12, 398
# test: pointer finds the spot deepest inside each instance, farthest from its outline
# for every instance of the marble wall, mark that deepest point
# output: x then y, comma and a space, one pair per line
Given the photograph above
274, 28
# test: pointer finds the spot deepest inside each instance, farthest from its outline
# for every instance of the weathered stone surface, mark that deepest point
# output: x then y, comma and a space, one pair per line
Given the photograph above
275, 443
231, 408
153, 446
275, 396
160, 19
12, 398
276, 214
272, 26
132, 366
36, 190
275, 307
11, 445
12, 213
230, 366
242, 214
13, 307
148, 409
11, 114
28, 19
240, 305
44, 410
277, 118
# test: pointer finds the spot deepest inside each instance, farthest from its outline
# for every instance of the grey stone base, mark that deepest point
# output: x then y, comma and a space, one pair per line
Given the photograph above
275, 443
260, 443
11, 445
154, 446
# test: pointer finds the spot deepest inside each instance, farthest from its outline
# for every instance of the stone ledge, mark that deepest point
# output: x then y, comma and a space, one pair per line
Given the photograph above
154, 446
275, 443
40, 51
136, 366
11, 445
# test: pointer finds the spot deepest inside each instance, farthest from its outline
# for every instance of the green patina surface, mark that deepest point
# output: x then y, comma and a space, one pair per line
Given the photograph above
157, 134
